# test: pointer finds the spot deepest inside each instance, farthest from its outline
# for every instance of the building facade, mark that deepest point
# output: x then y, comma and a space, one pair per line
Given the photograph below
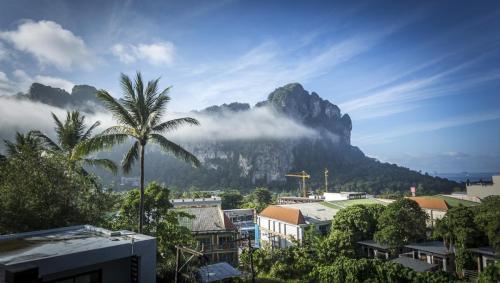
214, 232
484, 189
282, 226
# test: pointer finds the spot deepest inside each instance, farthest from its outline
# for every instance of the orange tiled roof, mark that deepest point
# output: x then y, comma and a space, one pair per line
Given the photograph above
285, 214
431, 203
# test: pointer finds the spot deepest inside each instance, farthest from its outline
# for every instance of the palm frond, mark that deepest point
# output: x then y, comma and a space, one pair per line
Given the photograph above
88, 133
98, 143
118, 111
175, 123
177, 150
120, 130
47, 142
104, 163
131, 156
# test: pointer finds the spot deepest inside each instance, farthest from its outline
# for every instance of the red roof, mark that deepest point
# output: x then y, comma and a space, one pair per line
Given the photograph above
431, 203
285, 214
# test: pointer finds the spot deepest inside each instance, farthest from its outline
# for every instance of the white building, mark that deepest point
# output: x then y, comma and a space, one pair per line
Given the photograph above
77, 254
281, 225
343, 196
243, 219
484, 189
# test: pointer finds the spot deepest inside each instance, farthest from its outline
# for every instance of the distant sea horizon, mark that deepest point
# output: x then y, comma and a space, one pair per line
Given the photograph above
463, 176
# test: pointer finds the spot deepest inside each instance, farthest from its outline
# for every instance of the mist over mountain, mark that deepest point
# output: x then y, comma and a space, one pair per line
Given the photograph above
240, 146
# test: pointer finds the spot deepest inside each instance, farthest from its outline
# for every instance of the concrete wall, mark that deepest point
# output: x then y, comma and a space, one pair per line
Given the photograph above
483, 191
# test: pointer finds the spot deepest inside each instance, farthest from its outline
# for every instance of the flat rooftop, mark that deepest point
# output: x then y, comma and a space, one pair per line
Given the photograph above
314, 212
31, 246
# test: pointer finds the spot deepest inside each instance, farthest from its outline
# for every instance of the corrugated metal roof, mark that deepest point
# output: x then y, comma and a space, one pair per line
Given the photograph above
208, 218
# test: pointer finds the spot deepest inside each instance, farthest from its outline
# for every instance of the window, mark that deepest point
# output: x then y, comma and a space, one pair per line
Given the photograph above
89, 277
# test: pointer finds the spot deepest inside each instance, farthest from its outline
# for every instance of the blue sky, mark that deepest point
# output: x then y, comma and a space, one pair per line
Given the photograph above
420, 80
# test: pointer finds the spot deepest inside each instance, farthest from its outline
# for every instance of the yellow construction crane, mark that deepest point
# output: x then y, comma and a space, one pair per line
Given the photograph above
303, 175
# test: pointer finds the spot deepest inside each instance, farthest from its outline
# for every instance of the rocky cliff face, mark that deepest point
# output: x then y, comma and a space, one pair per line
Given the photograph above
82, 97
263, 161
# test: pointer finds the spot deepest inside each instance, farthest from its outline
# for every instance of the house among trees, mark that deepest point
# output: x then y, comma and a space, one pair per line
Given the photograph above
434, 252
281, 225
214, 232
77, 254
435, 208
485, 256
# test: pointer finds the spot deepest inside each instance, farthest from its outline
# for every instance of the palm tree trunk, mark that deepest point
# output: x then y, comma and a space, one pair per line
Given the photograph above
141, 207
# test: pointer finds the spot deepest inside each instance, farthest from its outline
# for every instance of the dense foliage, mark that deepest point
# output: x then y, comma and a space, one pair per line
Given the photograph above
38, 192
401, 223
358, 220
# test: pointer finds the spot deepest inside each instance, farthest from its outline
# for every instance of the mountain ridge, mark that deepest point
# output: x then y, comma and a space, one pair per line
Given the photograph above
244, 164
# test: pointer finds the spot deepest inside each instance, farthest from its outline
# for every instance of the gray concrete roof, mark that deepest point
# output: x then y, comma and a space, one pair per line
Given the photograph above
415, 264
205, 219
30, 246
314, 212
435, 247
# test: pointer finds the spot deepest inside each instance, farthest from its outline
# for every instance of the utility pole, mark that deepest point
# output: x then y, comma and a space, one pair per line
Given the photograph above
326, 180
250, 250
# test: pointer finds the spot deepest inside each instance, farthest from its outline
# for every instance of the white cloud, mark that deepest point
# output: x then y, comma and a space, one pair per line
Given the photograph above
256, 123
4, 53
160, 53
20, 81
51, 44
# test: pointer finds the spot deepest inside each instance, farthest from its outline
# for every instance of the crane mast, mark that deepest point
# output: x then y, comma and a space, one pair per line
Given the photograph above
302, 175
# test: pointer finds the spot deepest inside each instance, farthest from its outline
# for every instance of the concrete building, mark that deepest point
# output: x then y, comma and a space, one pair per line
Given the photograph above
435, 208
281, 225
244, 221
214, 232
343, 196
484, 189
85, 254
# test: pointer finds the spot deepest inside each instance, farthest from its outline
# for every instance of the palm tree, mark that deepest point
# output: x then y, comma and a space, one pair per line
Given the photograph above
72, 136
139, 114
23, 143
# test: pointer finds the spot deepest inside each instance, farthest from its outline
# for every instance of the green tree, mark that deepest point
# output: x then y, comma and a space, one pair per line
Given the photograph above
487, 218
259, 199
490, 274
402, 222
231, 200
37, 192
359, 220
161, 221
71, 137
139, 114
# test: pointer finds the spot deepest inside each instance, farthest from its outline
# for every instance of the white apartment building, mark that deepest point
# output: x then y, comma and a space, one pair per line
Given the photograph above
282, 225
